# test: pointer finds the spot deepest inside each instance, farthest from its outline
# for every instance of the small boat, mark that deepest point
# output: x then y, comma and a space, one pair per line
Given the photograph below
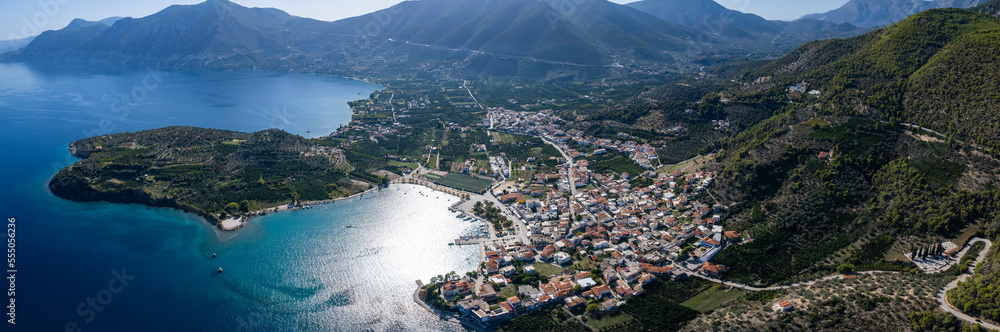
349, 226
220, 270
213, 255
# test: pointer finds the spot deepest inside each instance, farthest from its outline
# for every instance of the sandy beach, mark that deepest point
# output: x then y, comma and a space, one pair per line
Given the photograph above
232, 224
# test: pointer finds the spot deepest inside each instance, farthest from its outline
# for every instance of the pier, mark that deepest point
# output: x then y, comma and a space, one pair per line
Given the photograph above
467, 242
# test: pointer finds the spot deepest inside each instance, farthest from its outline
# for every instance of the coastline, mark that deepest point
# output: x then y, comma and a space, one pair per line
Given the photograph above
233, 224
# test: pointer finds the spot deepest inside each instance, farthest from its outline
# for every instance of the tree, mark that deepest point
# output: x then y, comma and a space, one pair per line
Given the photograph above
593, 309
246, 206
845, 268
233, 207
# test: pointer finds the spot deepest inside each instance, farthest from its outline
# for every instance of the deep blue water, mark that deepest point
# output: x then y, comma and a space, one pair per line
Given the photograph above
299, 270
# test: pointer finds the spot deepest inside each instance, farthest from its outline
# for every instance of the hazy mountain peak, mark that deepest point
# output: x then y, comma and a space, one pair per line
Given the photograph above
873, 13
707, 16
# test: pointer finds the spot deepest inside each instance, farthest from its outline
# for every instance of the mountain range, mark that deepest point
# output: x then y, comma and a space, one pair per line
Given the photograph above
530, 39
743, 31
875, 13
523, 38
491, 37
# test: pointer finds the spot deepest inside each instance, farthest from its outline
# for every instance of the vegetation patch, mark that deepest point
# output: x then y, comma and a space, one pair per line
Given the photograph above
939, 172
214, 173
464, 182
713, 297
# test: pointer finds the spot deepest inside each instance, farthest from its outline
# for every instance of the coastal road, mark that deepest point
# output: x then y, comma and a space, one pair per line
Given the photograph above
943, 295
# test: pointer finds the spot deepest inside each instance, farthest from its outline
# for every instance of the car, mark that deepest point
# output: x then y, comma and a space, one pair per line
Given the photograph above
978, 321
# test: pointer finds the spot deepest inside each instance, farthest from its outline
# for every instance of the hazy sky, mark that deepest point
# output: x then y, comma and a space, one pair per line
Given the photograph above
18, 18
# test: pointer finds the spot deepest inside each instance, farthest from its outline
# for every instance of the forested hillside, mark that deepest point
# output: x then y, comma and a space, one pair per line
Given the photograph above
205, 171
936, 69
816, 192
980, 295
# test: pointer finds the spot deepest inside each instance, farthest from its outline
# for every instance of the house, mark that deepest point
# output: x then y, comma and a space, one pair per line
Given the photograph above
712, 270
492, 267
508, 271
465, 307
486, 293
733, 236
708, 255
586, 283
528, 269
710, 243
575, 302
601, 291
456, 288
782, 306
529, 291
512, 198
515, 305
562, 258
499, 280
609, 305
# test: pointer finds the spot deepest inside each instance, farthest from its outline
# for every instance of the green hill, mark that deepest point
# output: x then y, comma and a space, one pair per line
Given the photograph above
204, 171
935, 69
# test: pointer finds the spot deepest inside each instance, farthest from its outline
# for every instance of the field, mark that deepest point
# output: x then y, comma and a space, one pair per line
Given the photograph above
939, 172
685, 165
609, 321
402, 164
547, 270
464, 182
510, 290
712, 298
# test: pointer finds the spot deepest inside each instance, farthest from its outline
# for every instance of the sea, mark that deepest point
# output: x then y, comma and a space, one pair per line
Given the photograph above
345, 266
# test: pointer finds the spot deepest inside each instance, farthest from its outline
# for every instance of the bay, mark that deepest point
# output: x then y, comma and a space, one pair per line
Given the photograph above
300, 270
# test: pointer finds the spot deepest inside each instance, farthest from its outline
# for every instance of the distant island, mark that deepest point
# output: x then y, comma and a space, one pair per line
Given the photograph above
217, 174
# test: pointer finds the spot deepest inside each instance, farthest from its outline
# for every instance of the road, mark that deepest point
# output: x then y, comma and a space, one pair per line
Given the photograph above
569, 165
943, 295
465, 84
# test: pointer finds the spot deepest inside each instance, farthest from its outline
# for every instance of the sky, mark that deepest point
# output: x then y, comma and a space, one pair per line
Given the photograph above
19, 19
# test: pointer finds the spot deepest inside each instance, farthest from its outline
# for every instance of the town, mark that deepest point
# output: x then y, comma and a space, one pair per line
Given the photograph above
572, 222
581, 239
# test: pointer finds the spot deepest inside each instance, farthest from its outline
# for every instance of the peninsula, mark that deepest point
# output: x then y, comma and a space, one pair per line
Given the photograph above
217, 174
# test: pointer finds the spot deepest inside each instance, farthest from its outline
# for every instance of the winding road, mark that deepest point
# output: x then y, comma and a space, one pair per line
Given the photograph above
941, 297
943, 294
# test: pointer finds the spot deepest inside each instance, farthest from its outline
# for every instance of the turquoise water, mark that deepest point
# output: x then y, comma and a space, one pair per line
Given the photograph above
292, 271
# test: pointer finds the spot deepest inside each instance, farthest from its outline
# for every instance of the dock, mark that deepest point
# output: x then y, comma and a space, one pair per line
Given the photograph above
467, 242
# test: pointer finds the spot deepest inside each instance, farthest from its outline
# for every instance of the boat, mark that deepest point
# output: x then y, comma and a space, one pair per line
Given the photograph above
220, 270
213, 255
350, 226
